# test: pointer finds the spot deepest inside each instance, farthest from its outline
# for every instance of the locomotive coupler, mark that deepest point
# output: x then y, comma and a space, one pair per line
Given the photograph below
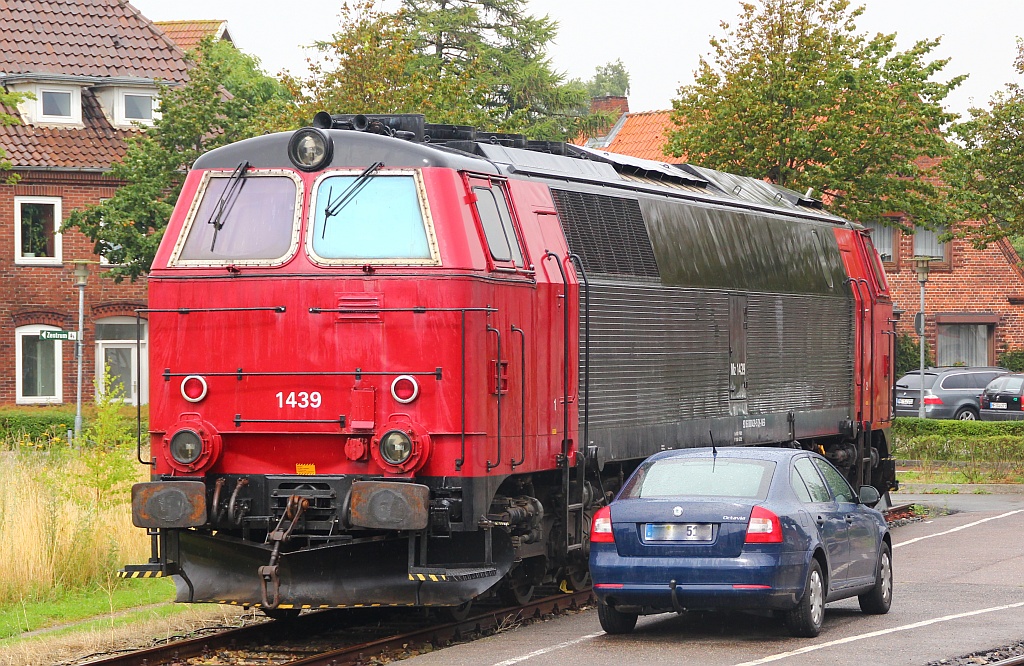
269, 574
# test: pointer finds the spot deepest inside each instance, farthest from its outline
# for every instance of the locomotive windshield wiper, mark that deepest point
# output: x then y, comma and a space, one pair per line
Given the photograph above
227, 199
334, 205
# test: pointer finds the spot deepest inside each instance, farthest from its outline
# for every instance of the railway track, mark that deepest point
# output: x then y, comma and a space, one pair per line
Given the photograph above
338, 637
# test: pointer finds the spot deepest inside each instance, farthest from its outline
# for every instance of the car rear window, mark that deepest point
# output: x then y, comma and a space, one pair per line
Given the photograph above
1013, 384
913, 380
708, 477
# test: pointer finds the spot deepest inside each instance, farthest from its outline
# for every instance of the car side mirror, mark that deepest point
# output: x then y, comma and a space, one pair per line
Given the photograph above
869, 495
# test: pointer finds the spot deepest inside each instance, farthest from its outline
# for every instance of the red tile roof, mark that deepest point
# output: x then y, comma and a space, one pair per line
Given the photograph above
85, 38
91, 38
96, 146
188, 34
642, 135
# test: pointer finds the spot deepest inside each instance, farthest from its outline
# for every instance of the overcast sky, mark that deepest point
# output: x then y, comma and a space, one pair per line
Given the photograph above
659, 41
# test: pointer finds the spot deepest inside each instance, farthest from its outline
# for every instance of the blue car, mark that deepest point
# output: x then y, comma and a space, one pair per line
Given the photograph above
739, 529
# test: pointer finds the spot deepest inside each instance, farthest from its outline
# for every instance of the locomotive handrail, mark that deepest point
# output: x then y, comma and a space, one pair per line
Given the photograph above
859, 379
138, 383
578, 264
871, 354
565, 354
522, 406
358, 373
417, 310
497, 390
238, 420
271, 308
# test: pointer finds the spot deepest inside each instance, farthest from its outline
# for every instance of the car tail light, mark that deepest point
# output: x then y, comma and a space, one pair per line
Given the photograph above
932, 400
763, 527
601, 526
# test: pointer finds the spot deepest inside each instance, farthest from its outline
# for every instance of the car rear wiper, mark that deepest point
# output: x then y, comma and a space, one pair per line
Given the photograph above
227, 199
334, 205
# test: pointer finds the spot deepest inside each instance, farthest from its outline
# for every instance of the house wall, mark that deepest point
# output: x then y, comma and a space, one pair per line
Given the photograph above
975, 284
47, 294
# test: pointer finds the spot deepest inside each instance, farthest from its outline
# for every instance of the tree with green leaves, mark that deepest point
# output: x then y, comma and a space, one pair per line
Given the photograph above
986, 171
503, 49
610, 80
796, 95
201, 115
372, 65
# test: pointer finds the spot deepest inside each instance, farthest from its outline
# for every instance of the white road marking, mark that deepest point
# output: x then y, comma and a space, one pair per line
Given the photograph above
819, 646
957, 529
883, 632
537, 653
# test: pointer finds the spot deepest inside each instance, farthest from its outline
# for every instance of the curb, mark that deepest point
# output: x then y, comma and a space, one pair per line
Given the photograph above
960, 489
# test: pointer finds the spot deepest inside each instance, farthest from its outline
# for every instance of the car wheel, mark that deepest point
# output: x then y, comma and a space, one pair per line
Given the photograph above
879, 599
806, 619
615, 622
966, 414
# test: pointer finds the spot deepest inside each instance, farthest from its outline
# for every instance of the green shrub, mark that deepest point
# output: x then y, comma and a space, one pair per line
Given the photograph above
908, 354
1012, 359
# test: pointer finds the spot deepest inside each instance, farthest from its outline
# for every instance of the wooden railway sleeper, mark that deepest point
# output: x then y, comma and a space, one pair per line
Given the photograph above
269, 574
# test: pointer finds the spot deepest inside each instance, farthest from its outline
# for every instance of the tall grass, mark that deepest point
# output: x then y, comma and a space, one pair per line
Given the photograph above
65, 512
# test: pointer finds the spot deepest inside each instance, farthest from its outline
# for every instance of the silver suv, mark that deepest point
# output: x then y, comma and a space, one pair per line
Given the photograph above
949, 393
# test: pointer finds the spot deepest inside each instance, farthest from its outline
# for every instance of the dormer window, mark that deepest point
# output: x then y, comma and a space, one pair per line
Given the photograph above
53, 104
128, 105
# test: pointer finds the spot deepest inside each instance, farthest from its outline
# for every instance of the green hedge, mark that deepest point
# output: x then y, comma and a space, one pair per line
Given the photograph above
48, 425
995, 445
36, 424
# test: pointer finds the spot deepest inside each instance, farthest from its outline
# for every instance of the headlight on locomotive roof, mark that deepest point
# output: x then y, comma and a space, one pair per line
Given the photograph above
395, 447
310, 149
186, 447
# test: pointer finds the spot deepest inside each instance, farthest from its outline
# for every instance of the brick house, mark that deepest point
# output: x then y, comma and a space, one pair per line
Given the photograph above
95, 69
974, 299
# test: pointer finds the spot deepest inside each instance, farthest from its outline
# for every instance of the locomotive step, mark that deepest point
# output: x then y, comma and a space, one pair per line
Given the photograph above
441, 574
152, 570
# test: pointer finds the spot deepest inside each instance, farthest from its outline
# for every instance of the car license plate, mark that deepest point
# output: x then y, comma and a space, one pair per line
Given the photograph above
677, 531
904, 401
997, 405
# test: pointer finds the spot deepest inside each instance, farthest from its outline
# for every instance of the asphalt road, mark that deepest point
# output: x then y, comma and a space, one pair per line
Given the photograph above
959, 588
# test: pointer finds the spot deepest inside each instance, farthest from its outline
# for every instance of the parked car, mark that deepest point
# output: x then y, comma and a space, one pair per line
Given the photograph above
1001, 399
949, 393
739, 529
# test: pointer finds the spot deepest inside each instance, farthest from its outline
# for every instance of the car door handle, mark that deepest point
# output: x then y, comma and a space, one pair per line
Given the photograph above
821, 520
849, 518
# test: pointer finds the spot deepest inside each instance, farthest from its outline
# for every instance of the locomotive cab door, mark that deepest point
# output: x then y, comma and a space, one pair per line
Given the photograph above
737, 354
508, 329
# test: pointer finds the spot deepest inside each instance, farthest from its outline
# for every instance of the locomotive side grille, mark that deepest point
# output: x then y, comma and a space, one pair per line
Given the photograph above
658, 354
608, 233
802, 343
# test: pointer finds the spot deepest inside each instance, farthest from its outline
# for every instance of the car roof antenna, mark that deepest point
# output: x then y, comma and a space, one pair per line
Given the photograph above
714, 452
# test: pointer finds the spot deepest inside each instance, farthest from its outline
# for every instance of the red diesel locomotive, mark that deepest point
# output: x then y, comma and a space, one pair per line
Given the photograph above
395, 363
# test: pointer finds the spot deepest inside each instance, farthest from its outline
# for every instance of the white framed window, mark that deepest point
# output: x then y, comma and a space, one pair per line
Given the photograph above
39, 366
138, 107
37, 237
125, 363
59, 104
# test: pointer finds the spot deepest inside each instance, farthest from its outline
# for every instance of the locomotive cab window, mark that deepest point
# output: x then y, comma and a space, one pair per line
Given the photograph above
242, 218
371, 216
496, 221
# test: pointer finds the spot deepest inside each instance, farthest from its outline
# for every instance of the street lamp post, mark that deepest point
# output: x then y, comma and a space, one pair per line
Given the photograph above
921, 266
81, 276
